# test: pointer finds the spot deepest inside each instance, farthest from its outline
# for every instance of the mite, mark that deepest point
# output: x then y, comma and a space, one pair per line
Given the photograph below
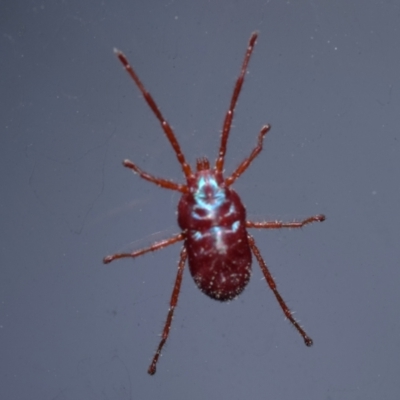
212, 218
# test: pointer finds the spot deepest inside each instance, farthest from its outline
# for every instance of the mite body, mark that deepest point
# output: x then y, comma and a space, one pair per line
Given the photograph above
214, 221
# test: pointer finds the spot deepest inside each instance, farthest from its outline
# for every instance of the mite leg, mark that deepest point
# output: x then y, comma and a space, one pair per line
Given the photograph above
280, 224
270, 280
172, 304
246, 162
219, 166
152, 104
164, 183
153, 247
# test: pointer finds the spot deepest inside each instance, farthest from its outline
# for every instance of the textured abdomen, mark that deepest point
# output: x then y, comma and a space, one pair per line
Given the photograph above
214, 222
220, 261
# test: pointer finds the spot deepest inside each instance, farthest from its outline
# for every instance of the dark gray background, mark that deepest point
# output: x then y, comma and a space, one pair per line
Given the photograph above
325, 75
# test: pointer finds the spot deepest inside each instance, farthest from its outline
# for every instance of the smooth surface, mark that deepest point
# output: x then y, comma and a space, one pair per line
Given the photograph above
324, 75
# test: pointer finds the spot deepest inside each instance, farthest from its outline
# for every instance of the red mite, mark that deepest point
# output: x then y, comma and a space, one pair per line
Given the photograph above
212, 218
